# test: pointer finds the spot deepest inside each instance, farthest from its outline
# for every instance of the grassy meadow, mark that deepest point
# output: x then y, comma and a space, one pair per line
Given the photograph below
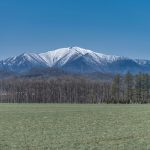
74, 127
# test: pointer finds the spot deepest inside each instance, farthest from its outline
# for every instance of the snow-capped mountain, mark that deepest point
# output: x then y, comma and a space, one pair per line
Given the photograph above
64, 55
76, 60
22, 63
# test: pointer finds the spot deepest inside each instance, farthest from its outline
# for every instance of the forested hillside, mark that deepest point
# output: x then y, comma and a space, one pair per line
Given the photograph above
71, 89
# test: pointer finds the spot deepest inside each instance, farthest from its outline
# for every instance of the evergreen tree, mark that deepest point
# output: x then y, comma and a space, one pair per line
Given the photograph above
116, 88
138, 88
144, 88
128, 81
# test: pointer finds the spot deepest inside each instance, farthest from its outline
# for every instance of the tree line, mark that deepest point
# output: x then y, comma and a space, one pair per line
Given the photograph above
125, 89
131, 88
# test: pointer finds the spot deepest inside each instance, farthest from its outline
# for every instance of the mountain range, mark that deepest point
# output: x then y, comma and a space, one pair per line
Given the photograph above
74, 60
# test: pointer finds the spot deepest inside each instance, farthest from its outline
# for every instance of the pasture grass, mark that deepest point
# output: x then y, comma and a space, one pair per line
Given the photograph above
74, 127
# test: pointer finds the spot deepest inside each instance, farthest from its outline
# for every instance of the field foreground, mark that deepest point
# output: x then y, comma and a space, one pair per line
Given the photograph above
74, 127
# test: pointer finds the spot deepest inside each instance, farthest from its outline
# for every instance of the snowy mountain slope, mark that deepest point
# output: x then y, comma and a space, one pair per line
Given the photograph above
74, 59
64, 55
81, 60
22, 63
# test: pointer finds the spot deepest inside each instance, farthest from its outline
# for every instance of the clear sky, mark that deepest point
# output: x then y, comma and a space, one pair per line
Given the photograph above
120, 27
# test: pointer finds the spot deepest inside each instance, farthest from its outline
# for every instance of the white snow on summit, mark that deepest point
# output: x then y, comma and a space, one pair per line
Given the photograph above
65, 54
74, 59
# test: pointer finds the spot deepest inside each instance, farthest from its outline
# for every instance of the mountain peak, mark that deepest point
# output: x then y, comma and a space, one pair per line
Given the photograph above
70, 49
25, 55
74, 59
80, 50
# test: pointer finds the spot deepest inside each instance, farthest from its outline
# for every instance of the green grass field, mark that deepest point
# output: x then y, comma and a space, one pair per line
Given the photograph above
74, 127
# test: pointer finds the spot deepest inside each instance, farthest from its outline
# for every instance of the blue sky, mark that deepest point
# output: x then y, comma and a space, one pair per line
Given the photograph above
120, 27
